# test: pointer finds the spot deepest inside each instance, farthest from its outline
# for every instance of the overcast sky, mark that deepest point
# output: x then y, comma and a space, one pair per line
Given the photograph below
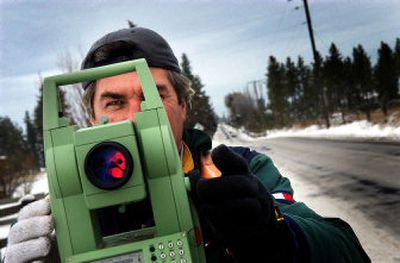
227, 42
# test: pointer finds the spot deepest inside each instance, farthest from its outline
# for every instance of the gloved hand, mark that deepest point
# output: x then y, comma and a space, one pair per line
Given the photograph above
240, 212
30, 238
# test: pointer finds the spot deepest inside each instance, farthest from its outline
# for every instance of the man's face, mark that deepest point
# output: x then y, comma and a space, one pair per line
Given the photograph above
119, 97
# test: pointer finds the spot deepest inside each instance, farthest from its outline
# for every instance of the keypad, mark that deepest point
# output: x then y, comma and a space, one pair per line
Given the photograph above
169, 251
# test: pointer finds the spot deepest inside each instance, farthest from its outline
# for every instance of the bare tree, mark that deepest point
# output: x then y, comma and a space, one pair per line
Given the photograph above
72, 94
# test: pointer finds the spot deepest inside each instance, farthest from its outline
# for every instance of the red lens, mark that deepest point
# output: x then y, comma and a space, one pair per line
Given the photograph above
109, 165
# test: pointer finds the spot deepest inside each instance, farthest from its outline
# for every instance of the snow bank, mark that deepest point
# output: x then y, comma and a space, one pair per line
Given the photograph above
354, 130
357, 129
39, 186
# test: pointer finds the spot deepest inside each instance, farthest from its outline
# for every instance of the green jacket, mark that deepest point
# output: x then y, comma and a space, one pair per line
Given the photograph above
318, 239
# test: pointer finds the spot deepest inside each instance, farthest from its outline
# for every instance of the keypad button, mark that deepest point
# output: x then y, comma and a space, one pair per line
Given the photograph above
152, 249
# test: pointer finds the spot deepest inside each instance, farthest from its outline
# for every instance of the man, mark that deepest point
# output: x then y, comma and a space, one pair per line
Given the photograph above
247, 214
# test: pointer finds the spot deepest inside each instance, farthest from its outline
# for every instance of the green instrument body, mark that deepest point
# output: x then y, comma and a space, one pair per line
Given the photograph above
156, 174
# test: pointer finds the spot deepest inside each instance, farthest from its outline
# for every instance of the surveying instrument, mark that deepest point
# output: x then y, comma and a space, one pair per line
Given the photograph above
111, 164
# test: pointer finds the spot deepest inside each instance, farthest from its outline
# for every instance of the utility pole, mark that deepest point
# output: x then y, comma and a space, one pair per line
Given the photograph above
310, 30
317, 65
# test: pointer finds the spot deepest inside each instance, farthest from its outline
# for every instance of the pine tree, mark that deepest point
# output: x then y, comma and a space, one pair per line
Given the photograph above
351, 95
362, 76
385, 76
11, 137
259, 121
31, 138
308, 95
201, 111
16, 160
397, 57
292, 88
320, 89
333, 80
277, 92
38, 124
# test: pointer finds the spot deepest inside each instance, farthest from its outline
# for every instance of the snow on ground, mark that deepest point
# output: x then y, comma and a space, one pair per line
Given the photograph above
358, 130
354, 130
226, 132
39, 186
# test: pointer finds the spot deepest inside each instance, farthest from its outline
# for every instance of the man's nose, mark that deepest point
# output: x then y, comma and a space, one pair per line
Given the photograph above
134, 108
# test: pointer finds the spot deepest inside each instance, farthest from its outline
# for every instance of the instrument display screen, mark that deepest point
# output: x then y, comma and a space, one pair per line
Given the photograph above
135, 257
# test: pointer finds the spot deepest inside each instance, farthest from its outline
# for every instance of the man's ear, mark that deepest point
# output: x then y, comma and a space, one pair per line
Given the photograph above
183, 106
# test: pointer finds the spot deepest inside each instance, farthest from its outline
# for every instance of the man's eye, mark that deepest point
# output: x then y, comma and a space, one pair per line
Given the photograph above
115, 103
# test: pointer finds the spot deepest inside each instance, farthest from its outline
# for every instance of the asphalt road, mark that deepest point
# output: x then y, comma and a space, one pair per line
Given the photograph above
363, 173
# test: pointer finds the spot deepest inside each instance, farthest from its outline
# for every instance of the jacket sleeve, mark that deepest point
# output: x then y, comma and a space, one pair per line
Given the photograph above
318, 239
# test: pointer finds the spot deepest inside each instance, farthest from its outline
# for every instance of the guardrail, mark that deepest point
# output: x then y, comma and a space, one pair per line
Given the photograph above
9, 211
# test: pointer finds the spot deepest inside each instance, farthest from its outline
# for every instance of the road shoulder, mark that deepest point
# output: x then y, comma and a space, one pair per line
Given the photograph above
380, 245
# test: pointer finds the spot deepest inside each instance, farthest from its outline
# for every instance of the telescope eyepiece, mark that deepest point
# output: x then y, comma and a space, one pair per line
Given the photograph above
108, 165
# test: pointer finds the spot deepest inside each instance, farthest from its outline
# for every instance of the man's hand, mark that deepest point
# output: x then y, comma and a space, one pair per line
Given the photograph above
30, 237
241, 212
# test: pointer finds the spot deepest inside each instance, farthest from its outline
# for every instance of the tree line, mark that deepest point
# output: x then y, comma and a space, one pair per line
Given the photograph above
20, 153
334, 86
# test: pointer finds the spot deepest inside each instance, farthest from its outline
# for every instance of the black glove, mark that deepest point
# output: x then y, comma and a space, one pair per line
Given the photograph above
240, 212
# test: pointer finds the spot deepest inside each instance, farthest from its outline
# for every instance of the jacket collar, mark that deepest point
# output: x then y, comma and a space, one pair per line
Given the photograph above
197, 142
